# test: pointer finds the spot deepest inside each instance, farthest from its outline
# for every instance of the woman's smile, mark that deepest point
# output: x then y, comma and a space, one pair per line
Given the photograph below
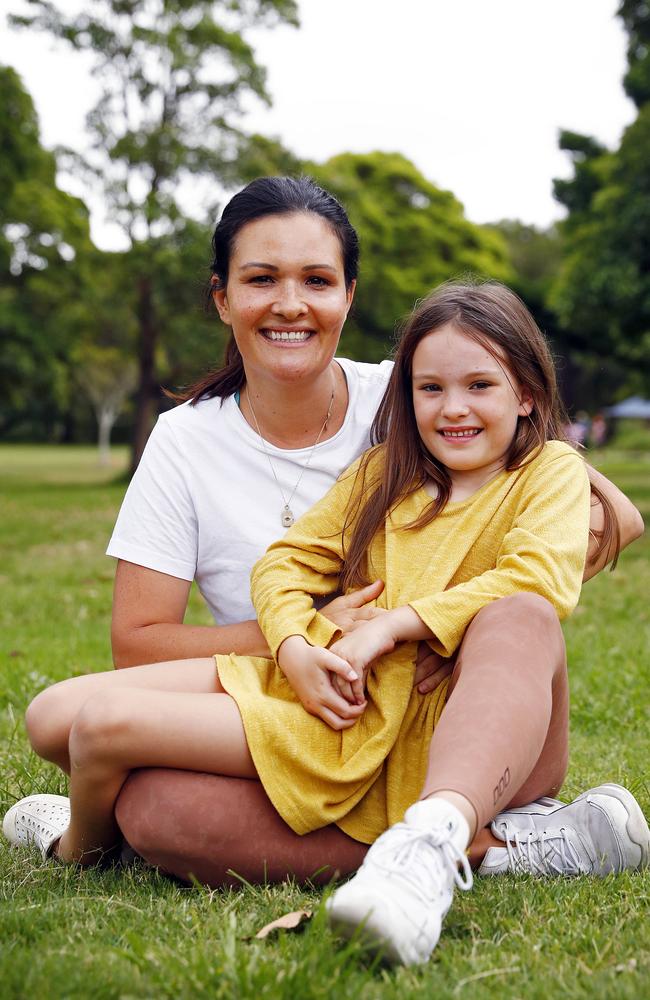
286, 298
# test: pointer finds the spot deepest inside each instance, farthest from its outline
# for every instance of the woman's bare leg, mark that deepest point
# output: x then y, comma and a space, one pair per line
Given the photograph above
118, 729
502, 739
214, 829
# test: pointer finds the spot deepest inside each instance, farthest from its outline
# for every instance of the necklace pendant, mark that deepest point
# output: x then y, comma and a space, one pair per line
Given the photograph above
287, 516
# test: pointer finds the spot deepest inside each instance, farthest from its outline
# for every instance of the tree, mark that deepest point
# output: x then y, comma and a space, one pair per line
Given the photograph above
413, 236
174, 75
43, 237
602, 293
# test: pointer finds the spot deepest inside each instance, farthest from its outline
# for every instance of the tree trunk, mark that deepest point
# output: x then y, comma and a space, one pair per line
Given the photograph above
105, 419
144, 407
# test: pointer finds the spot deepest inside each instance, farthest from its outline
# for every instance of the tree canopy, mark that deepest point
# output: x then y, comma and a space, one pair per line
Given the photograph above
413, 235
602, 293
43, 237
174, 74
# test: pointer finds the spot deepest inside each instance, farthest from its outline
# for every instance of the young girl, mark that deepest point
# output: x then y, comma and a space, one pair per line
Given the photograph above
469, 496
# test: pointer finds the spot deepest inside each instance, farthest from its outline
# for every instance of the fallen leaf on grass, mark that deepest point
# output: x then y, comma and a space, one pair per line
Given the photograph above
288, 922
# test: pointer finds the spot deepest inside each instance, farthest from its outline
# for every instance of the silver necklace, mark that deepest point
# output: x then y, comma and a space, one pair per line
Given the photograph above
287, 516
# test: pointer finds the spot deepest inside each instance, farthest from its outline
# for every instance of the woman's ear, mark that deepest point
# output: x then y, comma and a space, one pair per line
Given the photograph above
220, 300
350, 294
526, 403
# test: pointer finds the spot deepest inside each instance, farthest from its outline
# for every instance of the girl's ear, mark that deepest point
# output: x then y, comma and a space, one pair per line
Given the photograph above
220, 300
526, 403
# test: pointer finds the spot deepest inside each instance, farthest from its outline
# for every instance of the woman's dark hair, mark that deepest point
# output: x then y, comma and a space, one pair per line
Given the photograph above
496, 318
262, 197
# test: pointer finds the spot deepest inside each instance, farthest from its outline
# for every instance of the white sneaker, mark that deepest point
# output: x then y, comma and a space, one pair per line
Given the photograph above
38, 820
602, 831
405, 885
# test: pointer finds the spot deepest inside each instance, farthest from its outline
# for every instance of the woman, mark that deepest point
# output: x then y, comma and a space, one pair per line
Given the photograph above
222, 477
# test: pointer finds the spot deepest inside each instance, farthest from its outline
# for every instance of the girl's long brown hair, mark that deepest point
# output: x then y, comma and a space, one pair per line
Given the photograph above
496, 318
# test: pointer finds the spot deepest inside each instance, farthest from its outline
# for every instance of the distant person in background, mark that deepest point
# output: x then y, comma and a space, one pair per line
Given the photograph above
599, 431
577, 430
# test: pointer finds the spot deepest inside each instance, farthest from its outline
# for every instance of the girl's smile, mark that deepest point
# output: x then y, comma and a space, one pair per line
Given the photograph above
467, 404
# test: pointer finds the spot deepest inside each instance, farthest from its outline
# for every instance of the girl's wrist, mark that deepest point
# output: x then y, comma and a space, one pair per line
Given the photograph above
405, 625
292, 645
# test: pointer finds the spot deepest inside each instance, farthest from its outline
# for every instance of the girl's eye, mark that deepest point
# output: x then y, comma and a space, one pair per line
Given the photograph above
431, 387
480, 385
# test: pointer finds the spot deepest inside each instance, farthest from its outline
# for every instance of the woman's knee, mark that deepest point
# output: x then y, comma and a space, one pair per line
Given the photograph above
524, 612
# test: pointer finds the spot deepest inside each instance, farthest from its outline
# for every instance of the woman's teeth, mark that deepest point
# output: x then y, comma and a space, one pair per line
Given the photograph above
299, 335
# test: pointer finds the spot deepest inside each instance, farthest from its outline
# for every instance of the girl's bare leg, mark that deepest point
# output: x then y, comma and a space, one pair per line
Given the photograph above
117, 730
50, 716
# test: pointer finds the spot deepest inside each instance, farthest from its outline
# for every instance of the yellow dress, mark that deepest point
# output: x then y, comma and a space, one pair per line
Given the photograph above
525, 530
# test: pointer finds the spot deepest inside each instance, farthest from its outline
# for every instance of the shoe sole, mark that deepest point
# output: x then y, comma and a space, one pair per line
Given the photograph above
636, 826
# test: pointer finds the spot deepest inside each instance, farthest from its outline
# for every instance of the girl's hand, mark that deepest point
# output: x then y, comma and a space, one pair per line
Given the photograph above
352, 610
360, 648
430, 669
310, 671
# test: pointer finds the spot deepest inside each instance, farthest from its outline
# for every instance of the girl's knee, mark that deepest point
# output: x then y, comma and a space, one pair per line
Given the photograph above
99, 728
46, 723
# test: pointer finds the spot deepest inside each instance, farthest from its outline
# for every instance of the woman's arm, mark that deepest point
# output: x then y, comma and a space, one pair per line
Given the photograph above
148, 612
630, 522
147, 624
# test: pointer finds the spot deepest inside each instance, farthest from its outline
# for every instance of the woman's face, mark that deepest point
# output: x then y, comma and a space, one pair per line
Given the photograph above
286, 299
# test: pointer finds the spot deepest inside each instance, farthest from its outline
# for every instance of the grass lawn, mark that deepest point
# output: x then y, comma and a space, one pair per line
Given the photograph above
132, 933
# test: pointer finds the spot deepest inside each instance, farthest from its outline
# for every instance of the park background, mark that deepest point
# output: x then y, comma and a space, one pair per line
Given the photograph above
104, 253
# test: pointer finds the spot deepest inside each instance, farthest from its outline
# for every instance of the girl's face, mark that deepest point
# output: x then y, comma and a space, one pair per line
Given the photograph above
286, 299
466, 404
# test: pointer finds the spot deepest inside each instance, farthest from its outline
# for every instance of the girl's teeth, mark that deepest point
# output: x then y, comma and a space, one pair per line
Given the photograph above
300, 335
460, 434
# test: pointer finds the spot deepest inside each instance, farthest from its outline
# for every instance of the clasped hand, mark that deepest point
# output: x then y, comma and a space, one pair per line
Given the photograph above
330, 683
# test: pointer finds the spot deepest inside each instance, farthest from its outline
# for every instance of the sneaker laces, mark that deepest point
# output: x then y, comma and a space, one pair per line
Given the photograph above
413, 856
544, 853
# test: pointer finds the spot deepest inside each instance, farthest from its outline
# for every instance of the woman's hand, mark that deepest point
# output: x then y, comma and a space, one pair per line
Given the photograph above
430, 669
310, 671
351, 610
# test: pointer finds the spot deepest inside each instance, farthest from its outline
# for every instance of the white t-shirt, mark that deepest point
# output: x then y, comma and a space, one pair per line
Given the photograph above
203, 504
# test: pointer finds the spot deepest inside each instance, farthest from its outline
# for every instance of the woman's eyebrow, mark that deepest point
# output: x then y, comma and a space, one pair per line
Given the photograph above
273, 267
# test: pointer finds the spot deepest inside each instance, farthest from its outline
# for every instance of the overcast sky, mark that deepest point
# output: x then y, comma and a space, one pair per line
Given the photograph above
473, 91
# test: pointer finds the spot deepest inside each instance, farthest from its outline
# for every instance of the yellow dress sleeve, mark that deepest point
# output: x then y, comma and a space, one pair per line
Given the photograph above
306, 562
543, 552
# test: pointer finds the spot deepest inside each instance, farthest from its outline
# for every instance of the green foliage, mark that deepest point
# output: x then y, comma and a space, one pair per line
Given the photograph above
413, 236
131, 933
602, 293
174, 75
635, 15
43, 237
